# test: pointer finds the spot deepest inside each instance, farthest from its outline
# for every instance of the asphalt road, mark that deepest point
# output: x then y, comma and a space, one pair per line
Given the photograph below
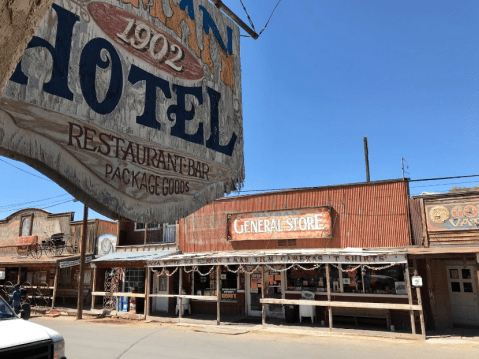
107, 339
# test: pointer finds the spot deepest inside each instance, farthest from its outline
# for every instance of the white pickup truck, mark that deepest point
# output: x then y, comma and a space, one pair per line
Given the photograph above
22, 339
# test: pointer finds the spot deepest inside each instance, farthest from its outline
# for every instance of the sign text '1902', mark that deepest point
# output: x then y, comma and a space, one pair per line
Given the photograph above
152, 39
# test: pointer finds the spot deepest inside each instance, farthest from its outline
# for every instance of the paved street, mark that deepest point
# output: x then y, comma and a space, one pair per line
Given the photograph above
110, 339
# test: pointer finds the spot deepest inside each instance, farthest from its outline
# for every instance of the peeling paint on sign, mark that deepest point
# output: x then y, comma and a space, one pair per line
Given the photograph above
134, 108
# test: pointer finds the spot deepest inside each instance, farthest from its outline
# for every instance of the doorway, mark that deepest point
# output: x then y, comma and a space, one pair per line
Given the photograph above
254, 288
160, 286
463, 293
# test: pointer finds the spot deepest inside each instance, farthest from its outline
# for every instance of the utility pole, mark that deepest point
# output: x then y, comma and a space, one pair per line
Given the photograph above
82, 262
366, 157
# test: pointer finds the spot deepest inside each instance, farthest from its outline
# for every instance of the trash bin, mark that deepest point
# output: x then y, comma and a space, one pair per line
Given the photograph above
291, 312
124, 304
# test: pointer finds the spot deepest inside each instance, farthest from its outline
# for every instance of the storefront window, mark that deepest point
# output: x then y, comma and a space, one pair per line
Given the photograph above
205, 284
352, 281
303, 279
134, 277
385, 281
229, 284
360, 280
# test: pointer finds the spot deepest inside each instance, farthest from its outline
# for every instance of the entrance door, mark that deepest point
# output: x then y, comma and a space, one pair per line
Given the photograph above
160, 286
253, 290
463, 294
274, 290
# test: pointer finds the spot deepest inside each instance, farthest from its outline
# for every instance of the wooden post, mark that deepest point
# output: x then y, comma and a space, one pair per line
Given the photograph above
19, 275
180, 292
366, 157
330, 309
263, 289
147, 292
55, 285
146, 232
82, 263
218, 294
94, 289
419, 302
409, 294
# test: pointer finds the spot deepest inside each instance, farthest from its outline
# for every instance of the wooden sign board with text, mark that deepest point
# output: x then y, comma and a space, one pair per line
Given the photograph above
134, 107
287, 224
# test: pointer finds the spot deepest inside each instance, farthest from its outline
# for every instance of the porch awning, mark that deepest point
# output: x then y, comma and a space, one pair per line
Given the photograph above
139, 258
255, 257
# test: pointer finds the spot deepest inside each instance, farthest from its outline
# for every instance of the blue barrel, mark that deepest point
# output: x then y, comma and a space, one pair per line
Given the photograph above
125, 301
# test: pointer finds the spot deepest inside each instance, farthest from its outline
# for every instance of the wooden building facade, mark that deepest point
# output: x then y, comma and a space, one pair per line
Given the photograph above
446, 231
338, 252
41, 251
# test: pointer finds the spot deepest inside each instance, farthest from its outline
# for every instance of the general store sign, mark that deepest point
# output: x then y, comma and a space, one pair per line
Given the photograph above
132, 106
453, 216
297, 223
282, 259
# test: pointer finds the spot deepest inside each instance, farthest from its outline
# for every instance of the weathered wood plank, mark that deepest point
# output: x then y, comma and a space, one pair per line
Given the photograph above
323, 303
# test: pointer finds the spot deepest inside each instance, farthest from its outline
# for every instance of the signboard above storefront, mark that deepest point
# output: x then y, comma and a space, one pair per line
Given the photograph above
68, 264
453, 216
215, 259
287, 224
133, 107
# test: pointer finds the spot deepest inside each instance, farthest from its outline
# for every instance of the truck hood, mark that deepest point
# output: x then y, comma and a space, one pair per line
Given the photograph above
18, 332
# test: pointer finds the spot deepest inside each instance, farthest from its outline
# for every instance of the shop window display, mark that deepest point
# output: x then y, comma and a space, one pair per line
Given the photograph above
205, 284
347, 278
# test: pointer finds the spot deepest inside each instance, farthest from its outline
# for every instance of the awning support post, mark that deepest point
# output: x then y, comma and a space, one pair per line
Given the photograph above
409, 294
180, 292
147, 292
55, 285
263, 289
93, 289
330, 309
19, 277
419, 302
218, 295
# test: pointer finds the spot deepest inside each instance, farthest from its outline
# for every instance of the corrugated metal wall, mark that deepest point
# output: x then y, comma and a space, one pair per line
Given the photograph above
416, 221
364, 215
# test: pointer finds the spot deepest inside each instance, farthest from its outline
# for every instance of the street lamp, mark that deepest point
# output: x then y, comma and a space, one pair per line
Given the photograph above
82, 261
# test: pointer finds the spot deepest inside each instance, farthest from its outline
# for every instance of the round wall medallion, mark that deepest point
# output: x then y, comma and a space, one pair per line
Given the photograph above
106, 246
439, 214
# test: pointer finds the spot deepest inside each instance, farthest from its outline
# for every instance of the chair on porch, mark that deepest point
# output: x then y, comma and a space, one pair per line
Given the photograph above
186, 305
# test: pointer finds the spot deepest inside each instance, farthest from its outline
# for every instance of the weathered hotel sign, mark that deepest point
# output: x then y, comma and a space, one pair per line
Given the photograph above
453, 216
133, 107
386, 258
288, 224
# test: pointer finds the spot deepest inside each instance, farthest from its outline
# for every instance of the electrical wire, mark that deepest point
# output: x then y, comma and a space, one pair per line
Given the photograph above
31, 174
25, 203
46, 205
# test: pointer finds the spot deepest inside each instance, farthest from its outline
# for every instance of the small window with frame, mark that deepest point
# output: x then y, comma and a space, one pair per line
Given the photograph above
26, 225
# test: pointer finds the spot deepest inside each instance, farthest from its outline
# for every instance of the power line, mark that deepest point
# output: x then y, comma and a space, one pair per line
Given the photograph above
31, 174
52, 204
442, 178
25, 203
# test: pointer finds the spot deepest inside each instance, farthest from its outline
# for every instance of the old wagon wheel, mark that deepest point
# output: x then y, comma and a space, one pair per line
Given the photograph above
49, 248
59, 250
71, 246
36, 251
43, 298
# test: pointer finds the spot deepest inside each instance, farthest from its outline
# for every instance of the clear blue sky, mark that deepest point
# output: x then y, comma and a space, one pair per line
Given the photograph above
323, 75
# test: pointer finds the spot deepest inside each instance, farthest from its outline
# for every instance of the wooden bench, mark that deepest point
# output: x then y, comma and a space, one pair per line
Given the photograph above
362, 313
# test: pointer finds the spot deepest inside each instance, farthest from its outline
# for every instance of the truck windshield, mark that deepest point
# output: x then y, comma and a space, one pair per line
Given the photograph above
5, 311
